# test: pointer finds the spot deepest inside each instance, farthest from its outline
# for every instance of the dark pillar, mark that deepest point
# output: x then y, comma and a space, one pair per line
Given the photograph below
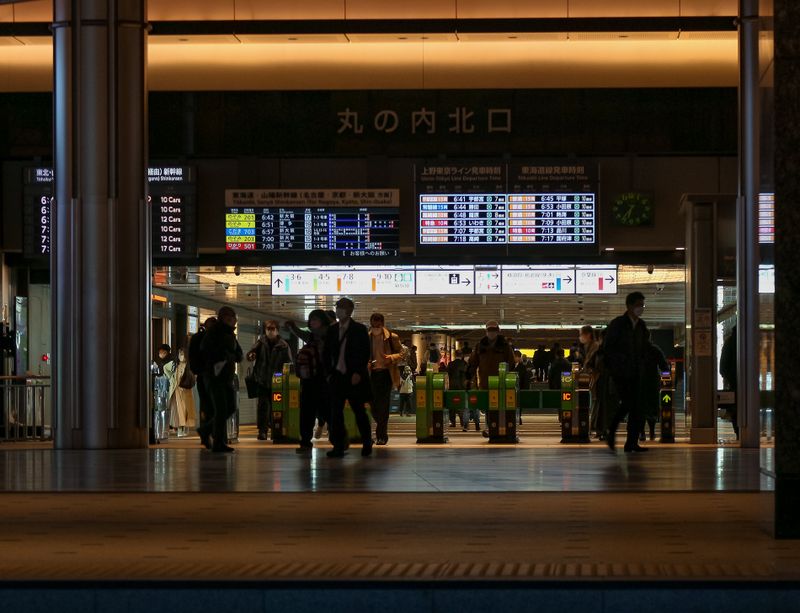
787, 270
747, 253
100, 249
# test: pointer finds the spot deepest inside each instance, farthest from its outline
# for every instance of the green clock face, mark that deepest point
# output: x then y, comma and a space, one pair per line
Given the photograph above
633, 209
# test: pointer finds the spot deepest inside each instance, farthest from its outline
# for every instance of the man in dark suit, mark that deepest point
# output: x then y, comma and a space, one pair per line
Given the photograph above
346, 357
624, 348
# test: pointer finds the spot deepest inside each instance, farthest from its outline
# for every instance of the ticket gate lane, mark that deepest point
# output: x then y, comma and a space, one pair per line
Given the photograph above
502, 415
285, 406
575, 406
431, 389
666, 399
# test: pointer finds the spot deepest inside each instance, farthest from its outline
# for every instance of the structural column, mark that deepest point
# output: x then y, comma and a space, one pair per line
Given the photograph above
787, 270
100, 242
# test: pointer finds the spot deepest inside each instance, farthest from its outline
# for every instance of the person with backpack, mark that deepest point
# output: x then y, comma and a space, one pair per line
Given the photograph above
269, 353
314, 394
197, 364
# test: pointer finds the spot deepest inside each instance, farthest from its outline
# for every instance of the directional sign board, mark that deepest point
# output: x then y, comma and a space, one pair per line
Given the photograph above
538, 279
450, 280
488, 280
333, 281
596, 279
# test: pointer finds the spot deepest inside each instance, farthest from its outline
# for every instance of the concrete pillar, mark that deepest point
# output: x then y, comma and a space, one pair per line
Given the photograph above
787, 271
100, 242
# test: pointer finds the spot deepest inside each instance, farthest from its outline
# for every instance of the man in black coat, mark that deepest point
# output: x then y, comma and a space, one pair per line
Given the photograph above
346, 356
222, 352
625, 349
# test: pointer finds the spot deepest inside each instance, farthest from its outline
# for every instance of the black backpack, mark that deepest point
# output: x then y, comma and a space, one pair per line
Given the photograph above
197, 362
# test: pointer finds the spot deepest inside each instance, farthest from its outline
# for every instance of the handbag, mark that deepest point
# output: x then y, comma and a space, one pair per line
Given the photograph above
252, 385
188, 379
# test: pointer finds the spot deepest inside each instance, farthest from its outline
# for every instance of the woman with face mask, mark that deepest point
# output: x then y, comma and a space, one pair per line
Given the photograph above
269, 353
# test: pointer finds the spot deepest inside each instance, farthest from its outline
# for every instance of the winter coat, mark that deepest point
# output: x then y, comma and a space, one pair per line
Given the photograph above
591, 363
625, 347
270, 358
559, 365
393, 349
356, 355
524, 375
457, 374
486, 359
219, 346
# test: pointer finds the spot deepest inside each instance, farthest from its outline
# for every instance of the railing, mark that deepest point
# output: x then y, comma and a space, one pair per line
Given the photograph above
27, 412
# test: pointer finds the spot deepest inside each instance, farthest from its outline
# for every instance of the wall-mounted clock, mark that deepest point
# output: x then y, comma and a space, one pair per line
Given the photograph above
633, 209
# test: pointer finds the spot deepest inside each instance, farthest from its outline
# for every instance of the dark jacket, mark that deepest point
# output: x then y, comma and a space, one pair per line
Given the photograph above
486, 359
558, 366
270, 358
524, 375
625, 347
357, 352
220, 345
727, 361
457, 374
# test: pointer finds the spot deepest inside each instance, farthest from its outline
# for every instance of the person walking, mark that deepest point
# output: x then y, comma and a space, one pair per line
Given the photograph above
184, 395
654, 364
407, 392
492, 350
559, 365
314, 395
384, 375
222, 352
269, 353
197, 364
625, 351
728, 369
457, 378
346, 357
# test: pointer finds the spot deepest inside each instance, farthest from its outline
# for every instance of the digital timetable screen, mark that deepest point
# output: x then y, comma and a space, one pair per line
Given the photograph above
341, 224
506, 218
526, 207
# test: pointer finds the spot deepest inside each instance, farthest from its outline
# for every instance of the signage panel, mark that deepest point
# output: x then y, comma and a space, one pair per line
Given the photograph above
596, 279
332, 281
171, 196
538, 279
342, 223
488, 280
512, 207
448, 280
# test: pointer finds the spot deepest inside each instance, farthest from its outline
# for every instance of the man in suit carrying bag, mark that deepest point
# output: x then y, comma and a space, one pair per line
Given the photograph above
346, 357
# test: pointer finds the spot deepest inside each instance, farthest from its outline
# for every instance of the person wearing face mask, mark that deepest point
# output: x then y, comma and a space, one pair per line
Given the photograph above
489, 353
384, 375
625, 348
269, 353
346, 357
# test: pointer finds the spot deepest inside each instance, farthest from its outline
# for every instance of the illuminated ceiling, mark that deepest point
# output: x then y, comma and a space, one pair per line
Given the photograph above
414, 44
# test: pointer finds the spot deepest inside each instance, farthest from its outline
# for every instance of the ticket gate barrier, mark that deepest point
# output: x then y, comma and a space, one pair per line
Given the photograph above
502, 416
353, 435
575, 406
285, 406
667, 396
431, 388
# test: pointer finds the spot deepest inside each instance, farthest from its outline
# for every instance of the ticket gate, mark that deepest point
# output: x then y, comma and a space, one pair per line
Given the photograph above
575, 406
285, 406
667, 395
431, 388
502, 415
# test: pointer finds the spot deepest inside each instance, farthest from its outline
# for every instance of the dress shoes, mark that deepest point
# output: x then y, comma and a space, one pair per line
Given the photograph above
223, 449
366, 451
335, 453
635, 449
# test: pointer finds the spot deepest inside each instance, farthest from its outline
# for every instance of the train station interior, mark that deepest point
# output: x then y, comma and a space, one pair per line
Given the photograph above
462, 168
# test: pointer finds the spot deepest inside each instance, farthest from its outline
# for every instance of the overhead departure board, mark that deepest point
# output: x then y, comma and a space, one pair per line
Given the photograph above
517, 206
338, 223
173, 210
37, 194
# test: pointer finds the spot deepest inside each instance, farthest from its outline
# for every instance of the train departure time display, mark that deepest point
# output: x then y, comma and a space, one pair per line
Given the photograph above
510, 206
171, 197
342, 223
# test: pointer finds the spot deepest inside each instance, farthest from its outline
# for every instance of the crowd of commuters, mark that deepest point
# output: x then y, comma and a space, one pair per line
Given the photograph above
342, 361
